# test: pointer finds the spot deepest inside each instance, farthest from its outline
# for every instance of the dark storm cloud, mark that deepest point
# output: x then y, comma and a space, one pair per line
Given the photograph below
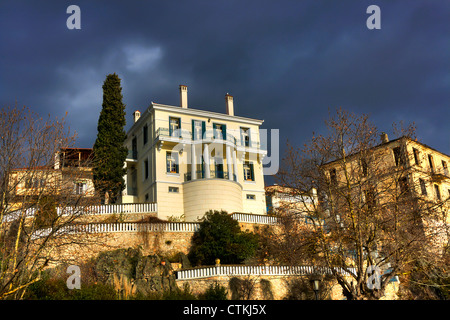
286, 62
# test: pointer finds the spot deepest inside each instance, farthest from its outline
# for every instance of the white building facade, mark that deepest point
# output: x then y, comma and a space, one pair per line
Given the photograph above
189, 161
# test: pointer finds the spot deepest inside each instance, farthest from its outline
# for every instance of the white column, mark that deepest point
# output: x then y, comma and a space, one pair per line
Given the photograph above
206, 159
229, 163
235, 165
193, 163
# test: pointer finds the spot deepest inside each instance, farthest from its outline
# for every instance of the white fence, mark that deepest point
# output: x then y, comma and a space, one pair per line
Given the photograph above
109, 209
30, 212
254, 218
89, 210
243, 270
120, 227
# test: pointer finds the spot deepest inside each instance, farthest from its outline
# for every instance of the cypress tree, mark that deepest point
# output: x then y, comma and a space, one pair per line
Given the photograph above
109, 150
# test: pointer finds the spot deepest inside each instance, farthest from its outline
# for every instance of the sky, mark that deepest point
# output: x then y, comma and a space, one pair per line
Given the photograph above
286, 62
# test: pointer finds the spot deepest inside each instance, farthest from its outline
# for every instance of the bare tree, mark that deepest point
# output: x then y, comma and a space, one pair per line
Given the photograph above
33, 184
368, 217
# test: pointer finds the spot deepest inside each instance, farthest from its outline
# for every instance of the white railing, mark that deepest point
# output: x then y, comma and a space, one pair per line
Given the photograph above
89, 210
30, 212
243, 270
109, 209
120, 227
254, 218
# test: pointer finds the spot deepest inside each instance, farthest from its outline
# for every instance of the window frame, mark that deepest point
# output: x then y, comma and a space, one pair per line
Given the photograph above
248, 169
172, 166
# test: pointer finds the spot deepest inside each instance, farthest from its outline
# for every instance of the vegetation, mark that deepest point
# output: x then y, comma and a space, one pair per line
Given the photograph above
362, 214
30, 189
109, 150
220, 237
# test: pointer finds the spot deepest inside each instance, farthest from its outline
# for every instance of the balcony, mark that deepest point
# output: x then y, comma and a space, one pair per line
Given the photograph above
132, 156
440, 175
184, 136
214, 174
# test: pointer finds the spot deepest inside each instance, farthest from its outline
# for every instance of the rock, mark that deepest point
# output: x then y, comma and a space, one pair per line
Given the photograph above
185, 263
130, 272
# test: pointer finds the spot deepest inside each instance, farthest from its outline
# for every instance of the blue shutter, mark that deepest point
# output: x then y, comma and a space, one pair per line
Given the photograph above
203, 129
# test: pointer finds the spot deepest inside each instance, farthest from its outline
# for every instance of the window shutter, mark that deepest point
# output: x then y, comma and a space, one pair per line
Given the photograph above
224, 132
203, 168
203, 129
193, 130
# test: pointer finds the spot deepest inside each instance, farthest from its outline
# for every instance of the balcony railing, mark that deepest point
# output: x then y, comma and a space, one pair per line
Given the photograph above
211, 135
438, 175
132, 154
214, 174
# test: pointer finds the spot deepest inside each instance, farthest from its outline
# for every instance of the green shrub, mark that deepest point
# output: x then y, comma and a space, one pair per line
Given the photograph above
214, 292
220, 236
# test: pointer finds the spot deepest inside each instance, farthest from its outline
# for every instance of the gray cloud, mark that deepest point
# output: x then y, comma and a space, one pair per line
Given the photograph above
287, 62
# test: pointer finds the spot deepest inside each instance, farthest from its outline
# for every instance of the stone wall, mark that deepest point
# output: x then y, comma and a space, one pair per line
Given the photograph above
265, 287
82, 247
275, 287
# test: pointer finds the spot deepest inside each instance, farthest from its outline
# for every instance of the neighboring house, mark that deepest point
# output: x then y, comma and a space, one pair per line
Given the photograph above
408, 170
190, 161
286, 200
67, 181
279, 197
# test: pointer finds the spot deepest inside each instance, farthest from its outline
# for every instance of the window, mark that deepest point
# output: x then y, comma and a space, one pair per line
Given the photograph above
399, 157
423, 187
146, 169
248, 171
251, 197
198, 129
220, 131
218, 165
437, 192
80, 188
364, 167
444, 166
269, 203
134, 148
333, 177
174, 189
403, 183
245, 137
430, 162
145, 133
369, 196
174, 127
416, 156
34, 183
29, 183
172, 162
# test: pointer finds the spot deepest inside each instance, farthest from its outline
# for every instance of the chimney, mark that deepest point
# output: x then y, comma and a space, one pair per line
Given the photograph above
384, 137
229, 104
136, 115
183, 96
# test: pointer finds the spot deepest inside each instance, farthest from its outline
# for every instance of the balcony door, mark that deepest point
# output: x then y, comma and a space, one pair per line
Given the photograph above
198, 129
